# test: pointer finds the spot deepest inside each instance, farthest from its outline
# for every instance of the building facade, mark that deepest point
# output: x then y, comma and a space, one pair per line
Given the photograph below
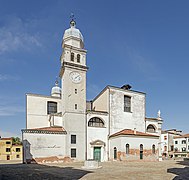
181, 146
10, 151
167, 142
111, 126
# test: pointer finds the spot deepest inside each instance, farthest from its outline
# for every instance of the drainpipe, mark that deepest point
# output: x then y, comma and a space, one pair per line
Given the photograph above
109, 128
86, 134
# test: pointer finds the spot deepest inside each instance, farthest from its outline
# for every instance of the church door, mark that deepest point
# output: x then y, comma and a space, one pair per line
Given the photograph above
97, 153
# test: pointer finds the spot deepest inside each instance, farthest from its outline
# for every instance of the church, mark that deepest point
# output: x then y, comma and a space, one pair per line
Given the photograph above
112, 126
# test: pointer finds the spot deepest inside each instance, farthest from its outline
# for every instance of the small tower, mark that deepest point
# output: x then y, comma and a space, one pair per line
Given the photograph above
56, 90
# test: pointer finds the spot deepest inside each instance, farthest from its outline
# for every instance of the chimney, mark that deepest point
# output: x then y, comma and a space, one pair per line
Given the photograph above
126, 87
134, 131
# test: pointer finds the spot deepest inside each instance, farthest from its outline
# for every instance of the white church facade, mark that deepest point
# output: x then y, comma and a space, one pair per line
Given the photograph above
112, 126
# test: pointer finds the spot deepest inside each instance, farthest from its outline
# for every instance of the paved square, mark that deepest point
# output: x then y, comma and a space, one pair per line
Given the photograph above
164, 170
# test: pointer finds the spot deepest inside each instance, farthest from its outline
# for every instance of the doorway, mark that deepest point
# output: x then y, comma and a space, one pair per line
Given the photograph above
97, 153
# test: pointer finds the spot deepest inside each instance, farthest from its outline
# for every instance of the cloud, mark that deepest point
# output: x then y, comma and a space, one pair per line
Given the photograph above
5, 77
6, 110
15, 35
143, 65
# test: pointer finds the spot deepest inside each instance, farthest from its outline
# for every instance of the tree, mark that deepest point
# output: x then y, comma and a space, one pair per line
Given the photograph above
16, 141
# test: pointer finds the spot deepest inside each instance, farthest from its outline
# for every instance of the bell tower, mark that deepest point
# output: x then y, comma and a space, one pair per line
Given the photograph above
73, 78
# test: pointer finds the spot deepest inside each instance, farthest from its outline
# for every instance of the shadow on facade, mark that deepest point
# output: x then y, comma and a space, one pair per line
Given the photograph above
38, 172
182, 173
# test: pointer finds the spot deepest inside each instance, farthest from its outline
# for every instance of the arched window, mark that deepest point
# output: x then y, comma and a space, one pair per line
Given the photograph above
151, 128
153, 149
95, 122
72, 56
115, 153
78, 58
127, 148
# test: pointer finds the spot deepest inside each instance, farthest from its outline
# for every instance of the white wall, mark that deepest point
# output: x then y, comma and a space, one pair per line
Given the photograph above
126, 120
43, 145
97, 133
36, 109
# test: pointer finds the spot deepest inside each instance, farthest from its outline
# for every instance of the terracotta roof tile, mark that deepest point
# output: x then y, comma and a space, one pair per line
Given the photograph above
183, 136
51, 130
131, 132
5, 138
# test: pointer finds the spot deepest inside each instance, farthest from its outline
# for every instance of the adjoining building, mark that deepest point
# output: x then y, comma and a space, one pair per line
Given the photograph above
167, 142
181, 146
111, 126
10, 151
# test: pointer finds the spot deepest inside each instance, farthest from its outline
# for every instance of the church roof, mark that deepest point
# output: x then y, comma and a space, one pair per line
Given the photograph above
132, 132
46, 130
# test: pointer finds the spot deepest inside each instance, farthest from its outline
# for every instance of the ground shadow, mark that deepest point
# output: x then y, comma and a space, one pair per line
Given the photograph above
39, 172
182, 173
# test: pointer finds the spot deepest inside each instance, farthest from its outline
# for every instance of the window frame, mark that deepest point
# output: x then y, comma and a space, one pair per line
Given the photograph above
127, 103
72, 57
127, 148
78, 58
73, 139
8, 149
153, 149
52, 107
73, 153
17, 149
96, 122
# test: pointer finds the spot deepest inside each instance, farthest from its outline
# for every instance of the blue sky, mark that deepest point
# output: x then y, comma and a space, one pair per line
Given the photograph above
142, 43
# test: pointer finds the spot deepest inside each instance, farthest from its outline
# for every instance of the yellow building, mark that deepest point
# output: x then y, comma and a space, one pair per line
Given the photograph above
10, 151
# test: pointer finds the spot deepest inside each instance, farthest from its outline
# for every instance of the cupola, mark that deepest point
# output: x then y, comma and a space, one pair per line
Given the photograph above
56, 90
73, 36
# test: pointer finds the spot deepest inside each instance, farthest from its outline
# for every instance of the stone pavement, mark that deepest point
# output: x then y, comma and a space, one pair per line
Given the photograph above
164, 170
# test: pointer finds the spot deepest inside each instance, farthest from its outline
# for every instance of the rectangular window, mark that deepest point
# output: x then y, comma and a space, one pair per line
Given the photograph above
7, 149
17, 149
172, 148
176, 142
75, 91
183, 141
73, 153
73, 139
8, 142
165, 137
51, 107
17, 156
127, 104
75, 106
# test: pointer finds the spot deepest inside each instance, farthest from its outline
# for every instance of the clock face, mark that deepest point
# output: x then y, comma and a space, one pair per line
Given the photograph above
75, 77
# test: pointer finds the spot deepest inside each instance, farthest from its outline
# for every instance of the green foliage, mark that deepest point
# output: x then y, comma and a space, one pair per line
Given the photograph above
16, 141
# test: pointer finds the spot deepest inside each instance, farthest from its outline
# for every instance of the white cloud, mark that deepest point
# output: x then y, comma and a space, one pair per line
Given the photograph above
15, 35
6, 110
5, 77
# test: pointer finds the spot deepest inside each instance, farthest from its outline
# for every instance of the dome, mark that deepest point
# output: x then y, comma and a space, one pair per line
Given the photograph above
56, 91
72, 34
